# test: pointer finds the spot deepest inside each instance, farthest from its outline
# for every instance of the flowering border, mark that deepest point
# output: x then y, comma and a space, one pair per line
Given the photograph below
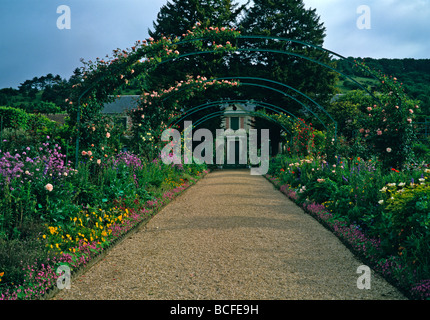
364, 247
40, 283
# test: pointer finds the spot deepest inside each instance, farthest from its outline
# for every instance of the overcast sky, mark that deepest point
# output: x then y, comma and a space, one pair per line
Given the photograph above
31, 44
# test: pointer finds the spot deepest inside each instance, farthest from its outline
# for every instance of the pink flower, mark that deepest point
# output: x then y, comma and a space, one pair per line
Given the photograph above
379, 132
99, 161
107, 135
49, 187
361, 130
89, 153
411, 111
84, 153
388, 150
369, 108
409, 120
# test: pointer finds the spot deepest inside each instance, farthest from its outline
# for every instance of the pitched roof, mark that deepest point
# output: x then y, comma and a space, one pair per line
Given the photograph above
121, 104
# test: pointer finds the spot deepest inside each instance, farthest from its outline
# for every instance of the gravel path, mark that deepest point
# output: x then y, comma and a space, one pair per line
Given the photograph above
231, 236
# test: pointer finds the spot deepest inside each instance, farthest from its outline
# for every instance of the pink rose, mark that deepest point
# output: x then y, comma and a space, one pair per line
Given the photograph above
49, 187
107, 135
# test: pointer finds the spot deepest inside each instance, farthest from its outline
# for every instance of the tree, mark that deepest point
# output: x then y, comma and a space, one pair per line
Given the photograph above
288, 19
177, 17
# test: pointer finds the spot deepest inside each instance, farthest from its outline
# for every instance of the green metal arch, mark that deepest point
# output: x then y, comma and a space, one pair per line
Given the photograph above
217, 103
280, 52
218, 113
278, 91
249, 49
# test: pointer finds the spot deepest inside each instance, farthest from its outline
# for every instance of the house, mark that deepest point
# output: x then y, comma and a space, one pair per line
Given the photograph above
119, 107
121, 104
236, 124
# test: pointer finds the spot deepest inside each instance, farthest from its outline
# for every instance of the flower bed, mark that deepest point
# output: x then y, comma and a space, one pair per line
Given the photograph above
56, 215
40, 279
396, 246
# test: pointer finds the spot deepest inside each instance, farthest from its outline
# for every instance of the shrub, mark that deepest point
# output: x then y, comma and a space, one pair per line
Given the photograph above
13, 118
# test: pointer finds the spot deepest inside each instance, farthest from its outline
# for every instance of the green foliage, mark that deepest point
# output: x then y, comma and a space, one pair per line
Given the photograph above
409, 210
421, 151
13, 118
389, 208
414, 74
179, 16
43, 107
318, 191
346, 110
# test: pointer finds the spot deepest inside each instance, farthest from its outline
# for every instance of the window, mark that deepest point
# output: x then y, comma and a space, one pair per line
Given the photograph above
234, 123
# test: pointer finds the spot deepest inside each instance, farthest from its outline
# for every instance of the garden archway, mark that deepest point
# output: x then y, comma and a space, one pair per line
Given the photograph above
134, 59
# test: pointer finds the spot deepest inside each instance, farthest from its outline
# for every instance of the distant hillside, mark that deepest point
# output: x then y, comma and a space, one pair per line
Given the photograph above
413, 73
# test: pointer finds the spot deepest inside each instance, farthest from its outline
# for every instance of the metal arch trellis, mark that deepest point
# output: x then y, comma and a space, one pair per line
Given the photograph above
218, 113
280, 52
220, 102
278, 91
241, 49
217, 103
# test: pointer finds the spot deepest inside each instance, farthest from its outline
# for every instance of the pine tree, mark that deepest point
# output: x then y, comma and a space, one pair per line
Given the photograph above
178, 16
175, 19
288, 19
